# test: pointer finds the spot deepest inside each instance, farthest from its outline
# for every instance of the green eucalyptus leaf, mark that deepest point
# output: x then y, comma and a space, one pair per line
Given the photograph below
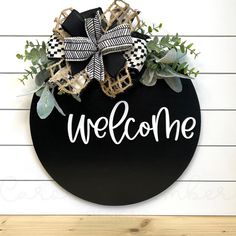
44, 46
34, 53
44, 60
190, 45
156, 39
43, 56
149, 29
46, 103
152, 46
182, 48
33, 69
182, 66
19, 56
41, 77
175, 84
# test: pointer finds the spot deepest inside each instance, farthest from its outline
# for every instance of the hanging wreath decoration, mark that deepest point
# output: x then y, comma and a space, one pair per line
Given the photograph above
114, 48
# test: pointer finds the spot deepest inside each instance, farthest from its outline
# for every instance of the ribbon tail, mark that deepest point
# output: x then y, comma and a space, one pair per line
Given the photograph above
93, 28
113, 63
95, 67
112, 45
74, 24
77, 67
91, 13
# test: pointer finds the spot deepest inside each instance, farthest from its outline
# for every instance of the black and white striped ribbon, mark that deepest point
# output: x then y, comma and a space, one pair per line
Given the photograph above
79, 49
117, 39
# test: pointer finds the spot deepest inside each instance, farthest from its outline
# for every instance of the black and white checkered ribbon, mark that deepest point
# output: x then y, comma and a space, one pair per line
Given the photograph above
55, 47
137, 56
97, 45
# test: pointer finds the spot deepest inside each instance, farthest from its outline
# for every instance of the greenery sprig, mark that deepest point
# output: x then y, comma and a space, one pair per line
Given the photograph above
36, 54
150, 29
166, 58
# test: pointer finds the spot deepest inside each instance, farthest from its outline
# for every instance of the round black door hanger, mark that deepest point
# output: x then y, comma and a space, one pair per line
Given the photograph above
131, 154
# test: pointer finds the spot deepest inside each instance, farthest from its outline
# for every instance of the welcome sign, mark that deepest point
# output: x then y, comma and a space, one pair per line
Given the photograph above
115, 118
119, 151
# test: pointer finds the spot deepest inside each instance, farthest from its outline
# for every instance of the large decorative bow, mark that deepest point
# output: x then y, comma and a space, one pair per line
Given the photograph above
85, 33
97, 44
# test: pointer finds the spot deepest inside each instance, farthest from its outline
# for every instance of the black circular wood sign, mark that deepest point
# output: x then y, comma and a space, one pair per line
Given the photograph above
119, 151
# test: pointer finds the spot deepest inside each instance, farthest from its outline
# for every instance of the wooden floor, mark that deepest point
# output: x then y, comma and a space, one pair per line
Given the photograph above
116, 225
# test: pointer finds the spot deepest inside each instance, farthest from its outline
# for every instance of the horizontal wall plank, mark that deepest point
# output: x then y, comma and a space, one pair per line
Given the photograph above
21, 163
214, 92
218, 127
179, 199
217, 54
26, 164
13, 90
211, 17
117, 225
14, 126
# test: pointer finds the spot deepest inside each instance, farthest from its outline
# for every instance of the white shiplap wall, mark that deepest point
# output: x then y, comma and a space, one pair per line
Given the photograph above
208, 186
